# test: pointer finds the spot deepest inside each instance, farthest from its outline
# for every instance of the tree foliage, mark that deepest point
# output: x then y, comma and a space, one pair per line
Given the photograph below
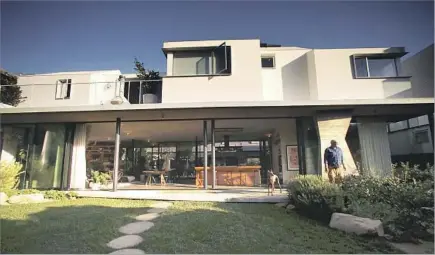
10, 95
152, 78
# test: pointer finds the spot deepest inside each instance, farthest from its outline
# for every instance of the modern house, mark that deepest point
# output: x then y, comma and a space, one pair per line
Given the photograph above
255, 106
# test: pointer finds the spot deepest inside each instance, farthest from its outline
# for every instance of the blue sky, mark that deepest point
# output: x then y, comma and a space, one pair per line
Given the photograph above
41, 37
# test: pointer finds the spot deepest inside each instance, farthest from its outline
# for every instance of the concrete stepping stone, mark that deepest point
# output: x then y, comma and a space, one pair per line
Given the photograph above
163, 205
147, 216
128, 252
156, 210
125, 242
136, 227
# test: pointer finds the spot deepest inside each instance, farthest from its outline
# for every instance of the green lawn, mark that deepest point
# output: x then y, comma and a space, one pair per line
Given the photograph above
86, 225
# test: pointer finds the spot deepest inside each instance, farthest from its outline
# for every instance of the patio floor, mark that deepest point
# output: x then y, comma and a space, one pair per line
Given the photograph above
174, 193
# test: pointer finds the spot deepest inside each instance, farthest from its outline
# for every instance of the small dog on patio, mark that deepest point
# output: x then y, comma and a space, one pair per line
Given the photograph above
271, 179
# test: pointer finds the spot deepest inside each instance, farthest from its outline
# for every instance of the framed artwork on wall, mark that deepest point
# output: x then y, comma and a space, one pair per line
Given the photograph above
292, 158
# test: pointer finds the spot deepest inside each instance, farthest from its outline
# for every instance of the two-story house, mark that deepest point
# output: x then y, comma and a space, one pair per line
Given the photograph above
234, 107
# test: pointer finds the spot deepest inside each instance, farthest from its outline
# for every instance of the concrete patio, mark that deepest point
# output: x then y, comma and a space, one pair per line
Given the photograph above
254, 195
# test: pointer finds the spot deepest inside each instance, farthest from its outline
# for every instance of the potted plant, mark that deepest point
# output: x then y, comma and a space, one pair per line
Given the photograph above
150, 82
98, 179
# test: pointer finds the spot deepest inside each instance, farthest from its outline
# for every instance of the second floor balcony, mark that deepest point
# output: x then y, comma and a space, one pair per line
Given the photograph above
66, 92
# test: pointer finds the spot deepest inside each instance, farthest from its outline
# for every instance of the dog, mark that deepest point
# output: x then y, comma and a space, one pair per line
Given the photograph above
271, 179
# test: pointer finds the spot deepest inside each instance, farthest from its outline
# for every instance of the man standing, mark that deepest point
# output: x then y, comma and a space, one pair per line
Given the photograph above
333, 159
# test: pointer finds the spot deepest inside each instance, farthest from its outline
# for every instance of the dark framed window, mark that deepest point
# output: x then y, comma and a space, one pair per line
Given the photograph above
267, 61
421, 136
375, 66
63, 89
208, 61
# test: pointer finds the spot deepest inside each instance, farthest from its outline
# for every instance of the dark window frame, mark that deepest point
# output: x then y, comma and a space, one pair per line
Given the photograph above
212, 50
61, 83
268, 57
391, 56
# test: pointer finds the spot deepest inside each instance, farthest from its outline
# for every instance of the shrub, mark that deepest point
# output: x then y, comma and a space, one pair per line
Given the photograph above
59, 195
401, 202
100, 177
315, 198
11, 192
9, 174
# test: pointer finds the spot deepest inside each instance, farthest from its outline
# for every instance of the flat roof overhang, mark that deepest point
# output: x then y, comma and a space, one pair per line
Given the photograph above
386, 109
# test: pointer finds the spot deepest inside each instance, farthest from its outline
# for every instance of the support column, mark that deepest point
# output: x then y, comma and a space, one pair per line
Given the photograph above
196, 151
430, 117
213, 154
334, 126
375, 147
116, 157
205, 155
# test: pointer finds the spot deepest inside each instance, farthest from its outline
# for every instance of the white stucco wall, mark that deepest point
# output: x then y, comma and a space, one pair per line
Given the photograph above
334, 77
421, 68
286, 131
288, 80
244, 83
84, 90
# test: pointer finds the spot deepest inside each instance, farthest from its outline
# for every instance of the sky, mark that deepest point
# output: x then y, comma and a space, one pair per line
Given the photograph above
44, 37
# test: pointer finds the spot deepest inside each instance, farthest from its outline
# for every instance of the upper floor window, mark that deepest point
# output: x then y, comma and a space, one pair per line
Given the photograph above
376, 66
208, 61
63, 89
267, 61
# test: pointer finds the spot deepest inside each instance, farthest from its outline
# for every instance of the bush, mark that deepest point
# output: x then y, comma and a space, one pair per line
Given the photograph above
403, 202
316, 198
11, 192
59, 195
9, 174
100, 177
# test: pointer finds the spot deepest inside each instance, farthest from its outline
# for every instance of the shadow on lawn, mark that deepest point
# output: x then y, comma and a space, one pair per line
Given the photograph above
185, 228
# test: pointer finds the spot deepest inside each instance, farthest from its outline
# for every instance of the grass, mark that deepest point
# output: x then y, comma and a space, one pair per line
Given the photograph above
86, 225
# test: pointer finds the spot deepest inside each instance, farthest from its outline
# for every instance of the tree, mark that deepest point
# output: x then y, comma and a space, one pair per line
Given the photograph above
152, 77
10, 95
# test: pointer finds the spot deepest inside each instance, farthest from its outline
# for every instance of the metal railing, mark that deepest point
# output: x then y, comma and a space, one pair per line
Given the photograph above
131, 91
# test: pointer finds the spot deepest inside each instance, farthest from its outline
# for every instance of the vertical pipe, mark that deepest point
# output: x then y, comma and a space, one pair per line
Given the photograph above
205, 154
213, 154
116, 158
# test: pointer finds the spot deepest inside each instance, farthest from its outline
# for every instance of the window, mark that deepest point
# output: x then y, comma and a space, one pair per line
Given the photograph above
419, 121
268, 62
63, 89
421, 136
398, 125
376, 67
212, 61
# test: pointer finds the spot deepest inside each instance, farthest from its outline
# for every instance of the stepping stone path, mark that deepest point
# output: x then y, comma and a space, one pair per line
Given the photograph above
141, 225
136, 227
128, 252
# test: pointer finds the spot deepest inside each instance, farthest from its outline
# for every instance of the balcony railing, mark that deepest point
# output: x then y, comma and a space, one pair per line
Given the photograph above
68, 92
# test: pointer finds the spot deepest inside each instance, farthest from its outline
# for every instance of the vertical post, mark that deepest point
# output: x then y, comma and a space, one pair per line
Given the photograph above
116, 158
196, 151
213, 154
158, 157
431, 123
205, 155
140, 92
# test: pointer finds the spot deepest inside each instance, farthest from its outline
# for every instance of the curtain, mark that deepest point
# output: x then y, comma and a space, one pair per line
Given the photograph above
375, 147
78, 166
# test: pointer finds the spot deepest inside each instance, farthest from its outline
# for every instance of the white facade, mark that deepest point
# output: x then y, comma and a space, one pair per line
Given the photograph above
87, 88
297, 74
